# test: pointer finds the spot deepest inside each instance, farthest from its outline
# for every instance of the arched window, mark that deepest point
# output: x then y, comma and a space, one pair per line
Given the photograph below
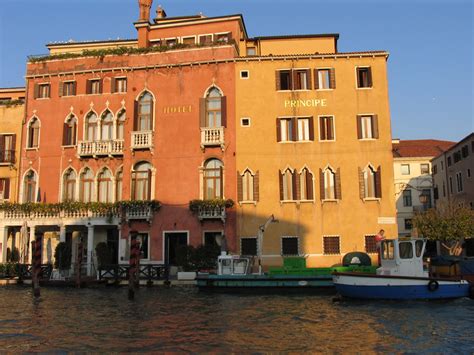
329, 184
119, 185
86, 184
121, 117
247, 186
107, 126
70, 131
287, 185
306, 185
29, 187
213, 108
144, 112
69, 185
91, 127
213, 179
33, 133
105, 189
141, 181
369, 182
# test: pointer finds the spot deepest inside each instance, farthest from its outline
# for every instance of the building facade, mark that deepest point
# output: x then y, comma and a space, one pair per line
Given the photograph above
452, 173
195, 110
413, 181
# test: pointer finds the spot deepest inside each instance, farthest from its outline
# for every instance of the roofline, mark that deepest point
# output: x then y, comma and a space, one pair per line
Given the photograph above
258, 38
53, 45
13, 89
172, 19
455, 145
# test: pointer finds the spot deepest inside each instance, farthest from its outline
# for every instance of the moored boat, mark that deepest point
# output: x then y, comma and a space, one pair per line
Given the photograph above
401, 276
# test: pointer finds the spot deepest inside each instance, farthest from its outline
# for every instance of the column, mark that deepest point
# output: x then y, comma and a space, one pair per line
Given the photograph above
4, 241
90, 249
62, 233
32, 239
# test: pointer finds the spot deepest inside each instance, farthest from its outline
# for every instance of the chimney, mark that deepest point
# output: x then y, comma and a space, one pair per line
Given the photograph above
160, 13
145, 6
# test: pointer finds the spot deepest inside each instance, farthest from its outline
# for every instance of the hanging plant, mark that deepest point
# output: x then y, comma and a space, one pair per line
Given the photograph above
196, 205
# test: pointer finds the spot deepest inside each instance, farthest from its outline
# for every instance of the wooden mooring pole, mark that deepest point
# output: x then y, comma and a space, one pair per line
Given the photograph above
79, 255
36, 265
134, 264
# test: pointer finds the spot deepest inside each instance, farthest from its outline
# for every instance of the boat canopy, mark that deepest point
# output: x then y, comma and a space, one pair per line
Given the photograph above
402, 257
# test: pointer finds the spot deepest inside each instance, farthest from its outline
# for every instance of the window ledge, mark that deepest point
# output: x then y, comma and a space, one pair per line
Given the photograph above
32, 148
248, 203
372, 199
327, 141
287, 201
42, 98
330, 89
68, 146
306, 201
367, 139
330, 200
364, 88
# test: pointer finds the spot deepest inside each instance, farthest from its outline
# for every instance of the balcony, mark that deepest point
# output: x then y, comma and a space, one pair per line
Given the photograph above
212, 136
217, 212
7, 157
144, 212
100, 148
142, 139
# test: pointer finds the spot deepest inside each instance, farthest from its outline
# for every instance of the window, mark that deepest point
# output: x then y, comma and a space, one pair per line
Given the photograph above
370, 244
67, 88
223, 37
329, 185
42, 91
370, 183
296, 129
407, 198
119, 85
33, 133
331, 245
435, 169
94, 86
205, 39
70, 131
286, 130
388, 250
86, 184
4, 188
367, 127
451, 184
244, 74
408, 224
436, 193
144, 113
29, 187
107, 126
326, 128
364, 77
303, 129
426, 193
104, 182
459, 182
444, 190
171, 42
468, 173
251, 51
121, 118
189, 41
245, 122
442, 165
247, 186
210, 238
141, 181
405, 169
465, 151
287, 185
406, 250
7, 148
449, 161
289, 246
212, 175
306, 185
325, 79
144, 241
118, 185
91, 127
213, 117
248, 246
293, 79
69, 185
457, 156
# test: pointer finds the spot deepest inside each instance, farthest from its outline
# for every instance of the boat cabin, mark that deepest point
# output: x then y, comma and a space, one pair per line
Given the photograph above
402, 257
232, 265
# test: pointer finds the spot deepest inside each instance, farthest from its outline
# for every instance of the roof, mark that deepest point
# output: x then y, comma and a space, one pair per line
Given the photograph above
335, 35
420, 148
457, 144
98, 42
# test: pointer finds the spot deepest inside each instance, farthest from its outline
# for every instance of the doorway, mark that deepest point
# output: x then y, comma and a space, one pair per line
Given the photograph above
173, 241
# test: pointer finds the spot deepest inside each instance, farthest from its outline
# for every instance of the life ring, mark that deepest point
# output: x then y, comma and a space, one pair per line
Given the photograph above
433, 285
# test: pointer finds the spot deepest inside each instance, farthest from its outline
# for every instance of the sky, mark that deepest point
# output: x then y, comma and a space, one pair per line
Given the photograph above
430, 68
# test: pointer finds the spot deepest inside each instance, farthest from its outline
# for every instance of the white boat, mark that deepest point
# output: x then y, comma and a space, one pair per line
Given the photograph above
401, 276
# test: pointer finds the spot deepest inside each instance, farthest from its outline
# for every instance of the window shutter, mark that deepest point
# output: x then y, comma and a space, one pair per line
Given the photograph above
378, 183
65, 134
224, 111
221, 174
294, 80
240, 192
330, 128
135, 115
369, 76
338, 184
152, 116
2, 143
61, 87
74, 134
256, 190
74, 85
278, 126
280, 177
89, 87
311, 128
6, 189
149, 185
112, 85
309, 186
322, 129
361, 184
277, 80
13, 148
36, 91
202, 112
358, 74
321, 184
316, 79
359, 127
375, 126
100, 86
294, 122
296, 184
309, 84
332, 78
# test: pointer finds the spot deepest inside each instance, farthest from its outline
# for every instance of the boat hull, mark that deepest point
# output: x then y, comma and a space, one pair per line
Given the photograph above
397, 288
263, 281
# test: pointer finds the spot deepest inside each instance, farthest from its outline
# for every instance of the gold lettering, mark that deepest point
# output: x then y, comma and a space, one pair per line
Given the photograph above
323, 102
293, 103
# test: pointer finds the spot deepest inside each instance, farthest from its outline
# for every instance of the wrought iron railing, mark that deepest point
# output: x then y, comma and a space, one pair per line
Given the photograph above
119, 272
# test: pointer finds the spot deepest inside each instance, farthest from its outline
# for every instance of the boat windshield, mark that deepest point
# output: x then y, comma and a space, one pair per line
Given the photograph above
418, 247
240, 266
387, 250
406, 250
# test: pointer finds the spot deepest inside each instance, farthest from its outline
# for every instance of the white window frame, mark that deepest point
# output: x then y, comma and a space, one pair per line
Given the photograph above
126, 85
68, 82
333, 128
357, 79
242, 122
44, 83
221, 33
245, 71
28, 133
360, 117
203, 35
333, 171
401, 169
181, 39
329, 82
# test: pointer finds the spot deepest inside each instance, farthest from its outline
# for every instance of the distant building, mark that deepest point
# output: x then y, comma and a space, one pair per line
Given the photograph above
412, 177
453, 173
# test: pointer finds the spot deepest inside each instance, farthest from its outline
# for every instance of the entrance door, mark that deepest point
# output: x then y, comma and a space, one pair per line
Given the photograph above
112, 244
174, 240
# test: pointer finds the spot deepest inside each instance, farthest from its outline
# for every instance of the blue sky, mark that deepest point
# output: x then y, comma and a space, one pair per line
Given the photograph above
430, 68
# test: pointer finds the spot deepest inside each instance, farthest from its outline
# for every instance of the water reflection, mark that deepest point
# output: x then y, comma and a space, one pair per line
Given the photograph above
182, 319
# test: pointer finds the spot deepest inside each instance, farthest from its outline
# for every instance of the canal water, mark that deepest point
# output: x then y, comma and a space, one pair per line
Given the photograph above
183, 319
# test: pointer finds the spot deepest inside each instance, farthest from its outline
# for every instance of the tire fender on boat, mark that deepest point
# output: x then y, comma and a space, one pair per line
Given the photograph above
433, 285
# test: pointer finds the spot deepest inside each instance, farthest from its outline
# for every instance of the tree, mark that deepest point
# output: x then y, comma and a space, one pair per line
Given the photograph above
62, 256
449, 223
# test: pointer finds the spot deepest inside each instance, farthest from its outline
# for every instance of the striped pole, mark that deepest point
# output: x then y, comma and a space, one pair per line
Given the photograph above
37, 265
133, 262
79, 256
